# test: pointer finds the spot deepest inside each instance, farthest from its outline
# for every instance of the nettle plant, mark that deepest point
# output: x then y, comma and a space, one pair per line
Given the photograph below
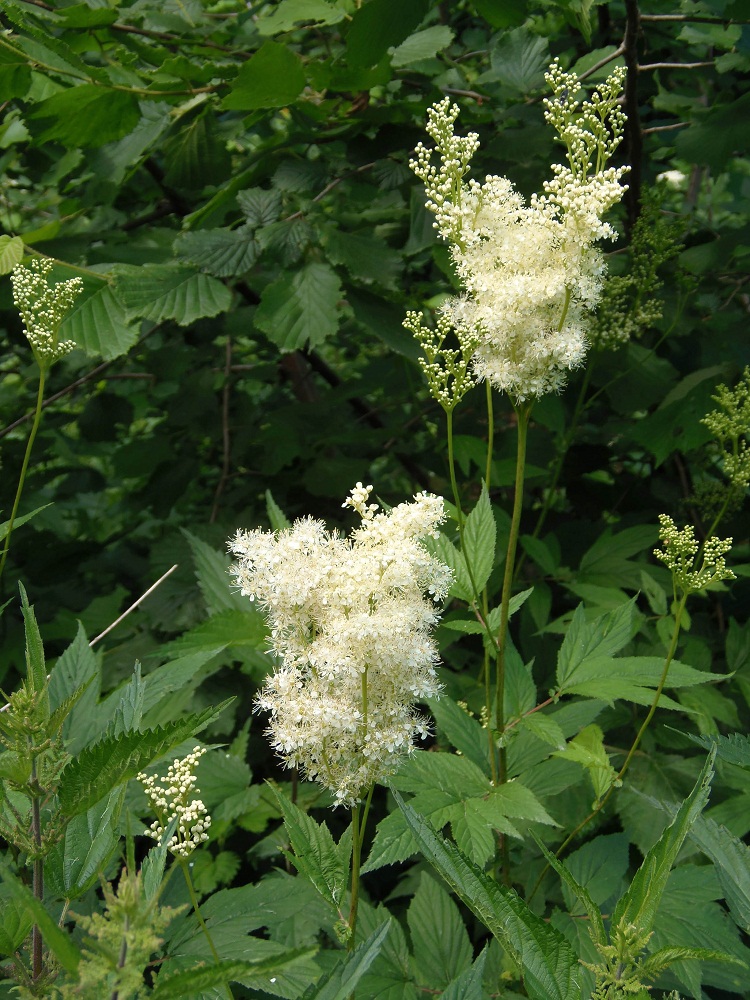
415, 606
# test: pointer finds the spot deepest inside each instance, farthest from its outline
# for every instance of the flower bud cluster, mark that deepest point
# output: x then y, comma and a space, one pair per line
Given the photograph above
447, 370
171, 798
43, 307
531, 272
730, 424
350, 628
680, 552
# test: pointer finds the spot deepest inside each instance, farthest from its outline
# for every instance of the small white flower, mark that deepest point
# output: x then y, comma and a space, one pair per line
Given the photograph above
172, 797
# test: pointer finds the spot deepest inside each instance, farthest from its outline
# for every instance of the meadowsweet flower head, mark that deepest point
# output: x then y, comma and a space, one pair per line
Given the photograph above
679, 555
350, 621
172, 797
530, 272
43, 308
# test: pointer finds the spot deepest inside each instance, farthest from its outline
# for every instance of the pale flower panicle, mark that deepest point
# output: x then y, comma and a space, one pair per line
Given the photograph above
531, 273
43, 307
681, 550
172, 798
351, 623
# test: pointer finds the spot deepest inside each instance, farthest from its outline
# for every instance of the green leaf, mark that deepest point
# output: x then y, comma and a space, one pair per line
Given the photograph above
587, 748
464, 732
501, 13
196, 156
190, 982
88, 843
87, 115
468, 986
316, 855
634, 678
99, 324
302, 308
36, 669
4, 525
278, 519
114, 760
77, 668
549, 966
365, 257
272, 77
259, 206
224, 253
15, 75
639, 903
212, 573
161, 292
442, 949
596, 924
81, 15
444, 550
11, 252
608, 558
734, 748
380, 24
340, 982
519, 60
129, 712
422, 45
15, 923
288, 13
58, 941
479, 540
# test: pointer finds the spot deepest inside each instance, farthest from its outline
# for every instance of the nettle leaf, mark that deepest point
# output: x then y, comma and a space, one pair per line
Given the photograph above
194, 981
221, 252
15, 919
302, 308
88, 843
114, 760
734, 748
87, 115
162, 292
340, 982
391, 976
468, 986
479, 536
548, 963
271, 78
316, 855
639, 903
212, 573
59, 942
442, 949
11, 251
592, 911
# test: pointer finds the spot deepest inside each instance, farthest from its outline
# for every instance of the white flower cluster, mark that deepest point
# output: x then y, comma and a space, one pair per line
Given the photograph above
43, 307
172, 797
351, 630
530, 271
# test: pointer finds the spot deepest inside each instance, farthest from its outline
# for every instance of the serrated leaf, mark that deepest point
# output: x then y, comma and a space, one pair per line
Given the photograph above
129, 712
479, 536
231, 628
364, 256
276, 516
377, 26
317, 856
88, 843
544, 728
114, 760
59, 942
441, 945
260, 207
20, 520
222, 252
587, 748
596, 924
36, 670
300, 309
288, 13
603, 637
734, 748
212, 573
422, 45
99, 325
87, 115
11, 253
520, 60
548, 963
178, 985
444, 550
340, 982
272, 77
464, 732
468, 986
639, 903
196, 156
15, 923
161, 292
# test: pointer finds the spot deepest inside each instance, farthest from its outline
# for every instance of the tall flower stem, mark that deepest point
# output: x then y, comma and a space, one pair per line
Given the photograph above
483, 616
25, 464
523, 413
196, 906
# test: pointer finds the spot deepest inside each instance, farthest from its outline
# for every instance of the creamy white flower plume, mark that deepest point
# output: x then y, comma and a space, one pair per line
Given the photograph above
351, 631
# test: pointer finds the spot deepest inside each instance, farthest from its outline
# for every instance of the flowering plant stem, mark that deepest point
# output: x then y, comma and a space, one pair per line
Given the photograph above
183, 863
25, 465
359, 822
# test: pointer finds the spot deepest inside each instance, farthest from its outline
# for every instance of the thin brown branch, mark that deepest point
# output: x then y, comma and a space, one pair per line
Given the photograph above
645, 67
633, 135
619, 51
692, 19
664, 128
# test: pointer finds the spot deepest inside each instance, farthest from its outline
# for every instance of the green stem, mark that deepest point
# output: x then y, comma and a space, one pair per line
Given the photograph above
38, 873
523, 412
196, 906
357, 835
25, 465
483, 618
490, 434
